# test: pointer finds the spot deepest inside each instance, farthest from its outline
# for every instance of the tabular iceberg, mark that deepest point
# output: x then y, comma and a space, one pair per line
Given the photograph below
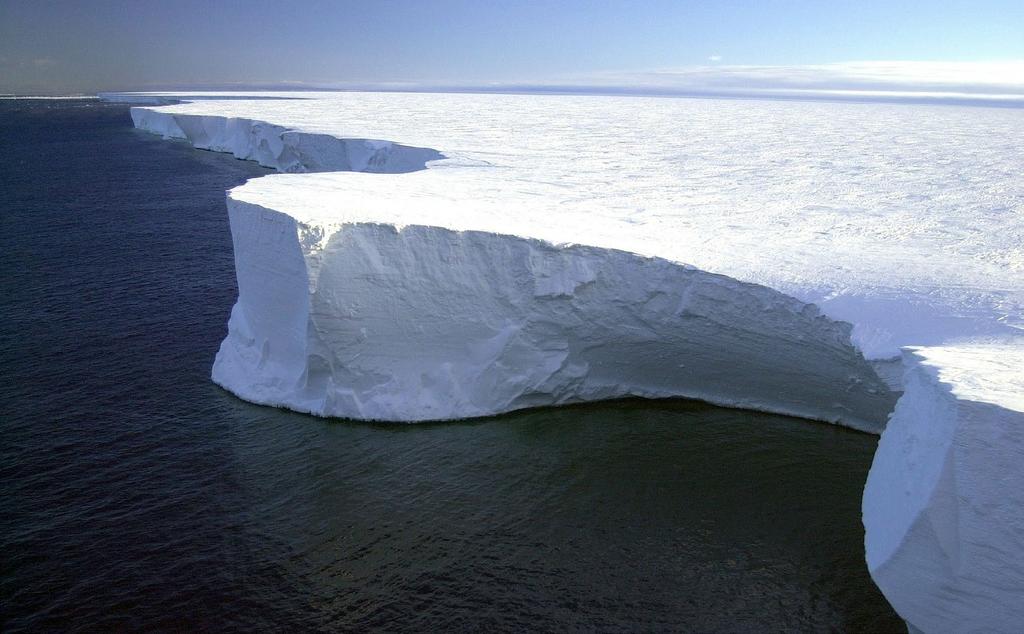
479, 254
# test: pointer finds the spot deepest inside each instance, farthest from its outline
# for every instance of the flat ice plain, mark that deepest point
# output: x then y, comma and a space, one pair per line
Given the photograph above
490, 252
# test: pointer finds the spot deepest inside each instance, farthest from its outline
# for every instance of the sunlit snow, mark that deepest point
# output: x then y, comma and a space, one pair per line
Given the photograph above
904, 220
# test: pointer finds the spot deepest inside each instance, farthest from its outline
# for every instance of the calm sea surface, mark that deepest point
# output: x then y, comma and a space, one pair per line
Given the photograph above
136, 495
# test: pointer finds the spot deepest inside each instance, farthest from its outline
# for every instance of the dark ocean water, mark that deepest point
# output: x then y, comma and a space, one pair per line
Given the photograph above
136, 495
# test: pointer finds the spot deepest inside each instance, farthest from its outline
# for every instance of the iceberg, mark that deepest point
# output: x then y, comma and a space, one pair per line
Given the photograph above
373, 320
434, 256
944, 501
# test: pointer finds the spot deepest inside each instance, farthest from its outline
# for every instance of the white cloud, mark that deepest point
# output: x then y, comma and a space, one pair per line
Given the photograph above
715, 58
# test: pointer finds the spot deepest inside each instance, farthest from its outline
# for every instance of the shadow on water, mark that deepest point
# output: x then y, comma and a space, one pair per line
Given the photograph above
138, 495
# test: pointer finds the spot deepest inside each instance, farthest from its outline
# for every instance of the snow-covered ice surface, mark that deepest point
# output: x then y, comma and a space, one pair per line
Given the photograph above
499, 251
904, 220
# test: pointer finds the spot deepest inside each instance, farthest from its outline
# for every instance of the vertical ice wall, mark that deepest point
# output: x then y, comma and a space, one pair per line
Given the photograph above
370, 321
944, 501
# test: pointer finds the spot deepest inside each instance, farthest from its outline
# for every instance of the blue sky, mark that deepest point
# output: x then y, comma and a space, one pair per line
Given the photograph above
83, 46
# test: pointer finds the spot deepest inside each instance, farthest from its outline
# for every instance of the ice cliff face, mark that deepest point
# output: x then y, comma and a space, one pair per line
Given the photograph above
370, 321
944, 501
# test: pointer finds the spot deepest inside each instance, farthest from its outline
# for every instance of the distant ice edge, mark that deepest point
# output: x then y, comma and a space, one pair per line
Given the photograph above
282, 149
326, 316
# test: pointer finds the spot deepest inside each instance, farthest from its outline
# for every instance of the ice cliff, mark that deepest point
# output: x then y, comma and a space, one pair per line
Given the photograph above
944, 501
282, 149
372, 321
537, 258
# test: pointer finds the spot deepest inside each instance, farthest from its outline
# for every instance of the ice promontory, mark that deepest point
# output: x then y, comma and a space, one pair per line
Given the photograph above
371, 321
